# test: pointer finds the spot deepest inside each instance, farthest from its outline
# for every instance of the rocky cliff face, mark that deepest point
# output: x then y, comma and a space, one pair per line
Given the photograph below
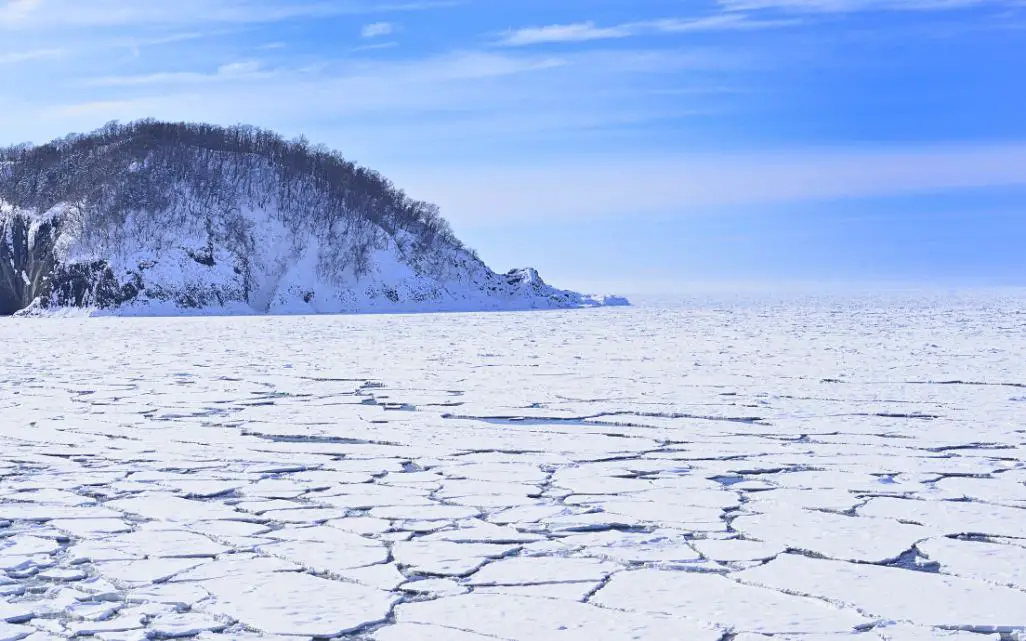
158, 218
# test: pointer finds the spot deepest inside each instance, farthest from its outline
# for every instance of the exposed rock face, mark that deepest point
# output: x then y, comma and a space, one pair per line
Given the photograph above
27, 261
158, 218
31, 271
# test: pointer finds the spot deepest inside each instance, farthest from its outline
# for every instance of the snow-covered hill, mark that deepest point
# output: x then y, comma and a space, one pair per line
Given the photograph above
155, 218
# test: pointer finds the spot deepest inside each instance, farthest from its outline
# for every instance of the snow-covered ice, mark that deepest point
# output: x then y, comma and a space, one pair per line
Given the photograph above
745, 469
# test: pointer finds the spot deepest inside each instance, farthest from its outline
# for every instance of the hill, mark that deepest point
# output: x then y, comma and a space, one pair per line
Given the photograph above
173, 218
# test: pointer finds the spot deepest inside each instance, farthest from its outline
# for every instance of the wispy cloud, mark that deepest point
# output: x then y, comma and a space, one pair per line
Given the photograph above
585, 31
377, 109
140, 42
111, 13
581, 187
344, 87
846, 6
576, 32
28, 56
245, 70
376, 46
377, 30
14, 11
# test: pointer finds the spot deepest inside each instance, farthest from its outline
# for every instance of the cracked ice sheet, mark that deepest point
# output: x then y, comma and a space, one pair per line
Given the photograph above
901, 595
532, 570
835, 536
523, 618
950, 517
720, 601
329, 467
989, 562
297, 603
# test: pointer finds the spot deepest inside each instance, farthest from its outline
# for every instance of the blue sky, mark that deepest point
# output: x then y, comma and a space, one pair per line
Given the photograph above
636, 145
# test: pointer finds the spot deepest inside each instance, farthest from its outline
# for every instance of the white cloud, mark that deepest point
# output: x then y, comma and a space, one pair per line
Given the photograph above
577, 32
137, 42
377, 30
582, 187
839, 6
379, 111
24, 14
28, 56
731, 20
376, 46
16, 11
245, 70
236, 69
351, 89
722, 22
586, 31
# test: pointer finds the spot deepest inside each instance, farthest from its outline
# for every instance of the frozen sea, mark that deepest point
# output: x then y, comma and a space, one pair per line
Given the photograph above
725, 468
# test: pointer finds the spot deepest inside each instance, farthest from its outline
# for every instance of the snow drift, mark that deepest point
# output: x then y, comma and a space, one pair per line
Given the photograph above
158, 218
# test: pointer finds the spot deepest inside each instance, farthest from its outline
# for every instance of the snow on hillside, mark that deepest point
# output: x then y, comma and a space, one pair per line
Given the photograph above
160, 219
